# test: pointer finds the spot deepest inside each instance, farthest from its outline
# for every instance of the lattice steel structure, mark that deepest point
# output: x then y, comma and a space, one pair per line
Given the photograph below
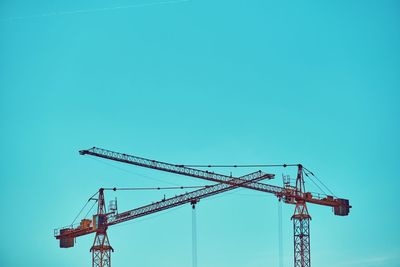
101, 250
301, 229
301, 226
297, 195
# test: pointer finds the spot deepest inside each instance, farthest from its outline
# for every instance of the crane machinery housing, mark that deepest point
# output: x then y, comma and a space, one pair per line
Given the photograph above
296, 195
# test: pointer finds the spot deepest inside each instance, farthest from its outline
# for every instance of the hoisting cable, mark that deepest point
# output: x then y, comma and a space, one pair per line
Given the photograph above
237, 165
194, 235
322, 190
91, 198
155, 188
280, 233
327, 188
80, 212
94, 203
131, 172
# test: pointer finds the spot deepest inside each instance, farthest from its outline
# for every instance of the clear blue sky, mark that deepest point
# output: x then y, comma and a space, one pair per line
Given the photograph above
316, 82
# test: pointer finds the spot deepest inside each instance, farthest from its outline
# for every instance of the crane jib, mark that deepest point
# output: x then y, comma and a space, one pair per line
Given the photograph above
187, 198
66, 235
177, 169
341, 206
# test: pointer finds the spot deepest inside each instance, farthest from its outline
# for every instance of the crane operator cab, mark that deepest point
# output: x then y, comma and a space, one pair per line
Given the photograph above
99, 221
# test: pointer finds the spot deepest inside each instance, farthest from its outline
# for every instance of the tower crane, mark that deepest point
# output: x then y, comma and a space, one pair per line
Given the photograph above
101, 249
289, 194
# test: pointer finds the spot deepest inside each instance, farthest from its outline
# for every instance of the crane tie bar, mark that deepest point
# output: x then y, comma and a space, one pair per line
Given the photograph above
155, 188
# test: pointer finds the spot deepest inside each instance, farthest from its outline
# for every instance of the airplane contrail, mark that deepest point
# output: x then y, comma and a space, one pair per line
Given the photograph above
82, 11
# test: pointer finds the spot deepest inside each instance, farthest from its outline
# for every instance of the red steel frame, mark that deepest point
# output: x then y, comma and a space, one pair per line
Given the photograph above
297, 195
101, 249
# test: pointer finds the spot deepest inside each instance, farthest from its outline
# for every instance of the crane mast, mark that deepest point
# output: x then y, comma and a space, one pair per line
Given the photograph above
301, 226
101, 249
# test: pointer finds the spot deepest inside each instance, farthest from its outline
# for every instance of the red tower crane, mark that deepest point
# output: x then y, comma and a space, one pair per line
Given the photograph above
101, 249
289, 194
